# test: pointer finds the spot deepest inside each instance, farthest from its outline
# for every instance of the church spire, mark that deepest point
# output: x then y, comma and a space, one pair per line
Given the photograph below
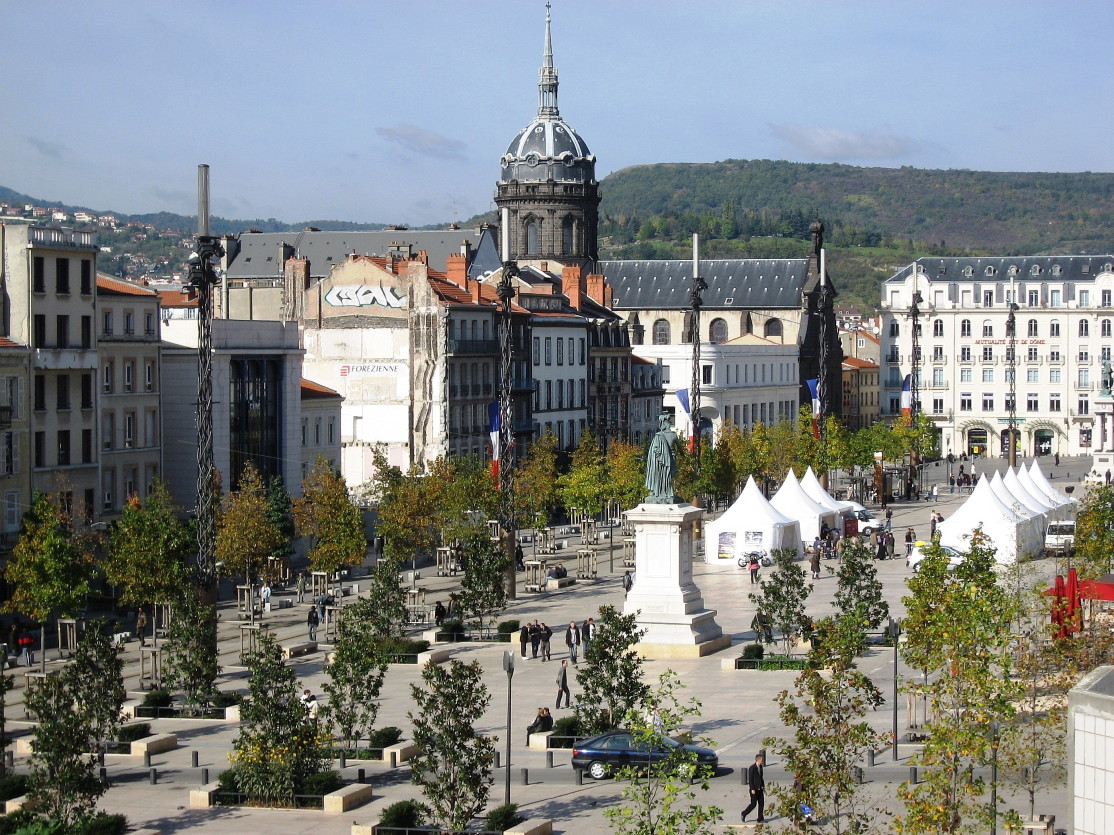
547, 76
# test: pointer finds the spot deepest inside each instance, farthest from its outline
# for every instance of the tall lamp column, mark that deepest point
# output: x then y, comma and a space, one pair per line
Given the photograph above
508, 665
895, 632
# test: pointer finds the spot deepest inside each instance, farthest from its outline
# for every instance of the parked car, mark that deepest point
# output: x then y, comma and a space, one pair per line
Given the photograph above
917, 556
1059, 539
868, 522
602, 754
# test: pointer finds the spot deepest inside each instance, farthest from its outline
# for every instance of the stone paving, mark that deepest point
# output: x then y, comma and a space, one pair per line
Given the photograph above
738, 706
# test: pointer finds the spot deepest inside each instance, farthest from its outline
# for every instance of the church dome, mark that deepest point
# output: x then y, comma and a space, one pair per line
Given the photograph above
548, 149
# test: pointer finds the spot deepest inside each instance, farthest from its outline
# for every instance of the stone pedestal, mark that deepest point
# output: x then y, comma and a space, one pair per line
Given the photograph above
671, 608
1102, 437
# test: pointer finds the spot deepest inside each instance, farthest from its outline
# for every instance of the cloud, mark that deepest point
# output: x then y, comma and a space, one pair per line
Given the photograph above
835, 144
46, 148
423, 142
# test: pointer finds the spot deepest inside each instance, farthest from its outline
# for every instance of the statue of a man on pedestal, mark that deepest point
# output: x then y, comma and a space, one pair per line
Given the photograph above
661, 464
1107, 379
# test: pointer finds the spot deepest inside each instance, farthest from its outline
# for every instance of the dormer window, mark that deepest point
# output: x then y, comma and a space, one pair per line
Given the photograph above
990, 271
968, 271
1036, 270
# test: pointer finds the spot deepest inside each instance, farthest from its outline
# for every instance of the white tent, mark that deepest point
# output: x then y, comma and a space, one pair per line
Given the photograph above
1013, 536
1056, 510
1046, 487
795, 503
815, 491
1021, 504
1030, 497
751, 523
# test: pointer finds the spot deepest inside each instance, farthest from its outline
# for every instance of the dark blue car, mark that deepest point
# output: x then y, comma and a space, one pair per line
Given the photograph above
610, 751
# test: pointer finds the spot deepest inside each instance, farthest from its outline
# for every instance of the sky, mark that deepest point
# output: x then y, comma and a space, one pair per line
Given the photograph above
398, 112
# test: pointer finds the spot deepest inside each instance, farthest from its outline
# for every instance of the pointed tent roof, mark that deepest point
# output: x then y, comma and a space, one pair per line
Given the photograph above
1035, 491
794, 502
1045, 485
1014, 484
752, 503
1014, 502
815, 491
982, 507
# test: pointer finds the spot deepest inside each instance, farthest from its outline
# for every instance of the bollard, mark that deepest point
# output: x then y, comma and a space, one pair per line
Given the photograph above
549, 759
394, 759
578, 776
204, 776
496, 765
870, 758
857, 774
525, 776
102, 772
193, 759
343, 760
360, 777
913, 774
146, 759
153, 774
100, 757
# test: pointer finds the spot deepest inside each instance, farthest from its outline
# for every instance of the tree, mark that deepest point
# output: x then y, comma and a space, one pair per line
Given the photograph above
859, 589
50, 566
356, 675
1094, 533
279, 746
246, 536
6, 684
958, 628
483, 593
830, 734
783, 595
626, 474
326, 514
661, 799
190, 661
78, 708
406, 504
148, 548
535, 492
584, 486
280, 513
610, 678
453, 764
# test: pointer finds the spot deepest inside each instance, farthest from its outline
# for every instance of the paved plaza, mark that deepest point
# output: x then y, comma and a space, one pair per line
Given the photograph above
738, 706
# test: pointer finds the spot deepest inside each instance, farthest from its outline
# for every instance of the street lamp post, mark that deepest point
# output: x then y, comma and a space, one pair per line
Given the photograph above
994, 777
894, 629
508, 665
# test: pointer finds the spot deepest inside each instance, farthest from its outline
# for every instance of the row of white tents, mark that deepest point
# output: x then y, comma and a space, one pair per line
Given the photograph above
1013, 510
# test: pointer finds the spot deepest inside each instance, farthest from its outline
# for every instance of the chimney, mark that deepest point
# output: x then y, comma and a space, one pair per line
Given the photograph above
456, 270
597, 288
423, 257
573, 286
544, 266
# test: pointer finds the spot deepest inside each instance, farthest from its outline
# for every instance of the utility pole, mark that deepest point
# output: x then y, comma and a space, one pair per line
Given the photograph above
505, 291
1011, 359
696, 301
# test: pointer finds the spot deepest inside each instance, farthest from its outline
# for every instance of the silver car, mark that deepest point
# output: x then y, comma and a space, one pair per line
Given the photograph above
916, 556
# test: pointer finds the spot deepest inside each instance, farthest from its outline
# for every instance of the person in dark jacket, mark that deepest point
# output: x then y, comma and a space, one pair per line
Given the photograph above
546, 634
524, 637
756, 782
535, 638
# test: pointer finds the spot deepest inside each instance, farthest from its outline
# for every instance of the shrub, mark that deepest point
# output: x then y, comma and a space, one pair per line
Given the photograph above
226, 698
227, 782
509, 628
453, 629
384, 737
752, 651
157, 698
502, 818
14, 785
130, 733
103, 824
10, 824
405, 813
321, 783
565, 726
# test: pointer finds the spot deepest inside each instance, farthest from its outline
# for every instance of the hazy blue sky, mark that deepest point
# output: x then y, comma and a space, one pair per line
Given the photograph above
398, 112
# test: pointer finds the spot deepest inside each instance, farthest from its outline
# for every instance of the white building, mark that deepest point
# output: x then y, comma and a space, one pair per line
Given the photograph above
1064, 322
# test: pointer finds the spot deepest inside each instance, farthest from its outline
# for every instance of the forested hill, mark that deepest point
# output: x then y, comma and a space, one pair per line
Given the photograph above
954, 210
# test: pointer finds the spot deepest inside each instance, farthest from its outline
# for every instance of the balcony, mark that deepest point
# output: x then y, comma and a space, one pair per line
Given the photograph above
5, 417
938, 386
523, 426
1084, 386
528, 384
472, 346
8, 539
63, 359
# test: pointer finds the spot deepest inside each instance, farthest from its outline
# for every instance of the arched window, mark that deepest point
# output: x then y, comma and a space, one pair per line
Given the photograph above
661, 332
937, 327
1084, 327
1105, 327
568, 236
1032, 327
531, 237
895, 328
965, 327
772, 328
749, 325
987, 328
717, 331
1054, 328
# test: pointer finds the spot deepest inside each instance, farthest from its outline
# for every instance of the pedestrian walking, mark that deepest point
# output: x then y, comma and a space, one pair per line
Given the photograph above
312, 620
890, 545
814, 564
535, 638
753, 566
910, 538
141, 626
756, 782
587, 633
880, 553
524, 638
563, 684
572, 640
889, 518
628, 583
932, 526
547, 634
301, 586
935, 492
27, 649
438, 614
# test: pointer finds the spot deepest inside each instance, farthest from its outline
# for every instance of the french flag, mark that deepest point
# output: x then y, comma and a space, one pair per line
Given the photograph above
814, 391
907, 396
683, 398
495, 422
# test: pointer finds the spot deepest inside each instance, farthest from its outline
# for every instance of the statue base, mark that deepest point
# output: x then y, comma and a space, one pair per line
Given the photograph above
1102, 438
667, 601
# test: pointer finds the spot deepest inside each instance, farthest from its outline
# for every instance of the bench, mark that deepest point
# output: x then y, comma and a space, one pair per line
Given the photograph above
402, 752
535, 588
284, 603
202, 797
629, 562
121, 638
348, 797
16, 803
539, 740
553, 585
292, 650
532, 826
154, 744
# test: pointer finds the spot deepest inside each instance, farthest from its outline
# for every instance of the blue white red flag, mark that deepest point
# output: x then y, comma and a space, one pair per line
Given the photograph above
494, 421
907, 395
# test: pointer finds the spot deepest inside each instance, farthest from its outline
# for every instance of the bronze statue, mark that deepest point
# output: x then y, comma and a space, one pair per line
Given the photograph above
1107, 379
661, 464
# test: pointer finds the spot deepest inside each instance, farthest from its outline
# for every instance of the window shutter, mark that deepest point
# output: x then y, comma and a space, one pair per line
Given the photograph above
1069, 291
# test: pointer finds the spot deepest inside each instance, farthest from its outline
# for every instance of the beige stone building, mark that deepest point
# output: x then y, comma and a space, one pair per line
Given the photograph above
15, 461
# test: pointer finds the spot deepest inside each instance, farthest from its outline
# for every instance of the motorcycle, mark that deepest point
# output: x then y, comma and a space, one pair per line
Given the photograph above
763, 558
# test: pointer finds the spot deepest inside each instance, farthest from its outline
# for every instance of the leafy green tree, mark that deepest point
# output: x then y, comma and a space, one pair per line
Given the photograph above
1094, 533
783, 595
958, 630
280, 513
859, 589
6, 684
78, 708
407, 506
327, 515
610, 678
827, 716
584, 486
626, 474
468, 498
190, 660
246, 536
483, 594
148, 549
453, 764
50, 567
360, 660
535, 484
279, 746
661, 798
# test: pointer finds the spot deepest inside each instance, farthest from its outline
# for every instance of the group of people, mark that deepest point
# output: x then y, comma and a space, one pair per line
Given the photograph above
557, 572
543, 722
536, 635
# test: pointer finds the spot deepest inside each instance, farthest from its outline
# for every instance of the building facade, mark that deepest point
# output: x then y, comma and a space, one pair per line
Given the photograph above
969, 368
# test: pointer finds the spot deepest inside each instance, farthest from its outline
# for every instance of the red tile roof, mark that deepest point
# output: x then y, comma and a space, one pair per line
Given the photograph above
10, 343
312, 390
176, 298
119, 287
855, 362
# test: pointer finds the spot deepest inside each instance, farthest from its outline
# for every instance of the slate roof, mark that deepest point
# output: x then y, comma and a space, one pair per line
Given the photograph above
732, 283
1071, 268
260, 257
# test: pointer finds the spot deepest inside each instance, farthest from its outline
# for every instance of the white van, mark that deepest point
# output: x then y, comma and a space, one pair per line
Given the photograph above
1059, 539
